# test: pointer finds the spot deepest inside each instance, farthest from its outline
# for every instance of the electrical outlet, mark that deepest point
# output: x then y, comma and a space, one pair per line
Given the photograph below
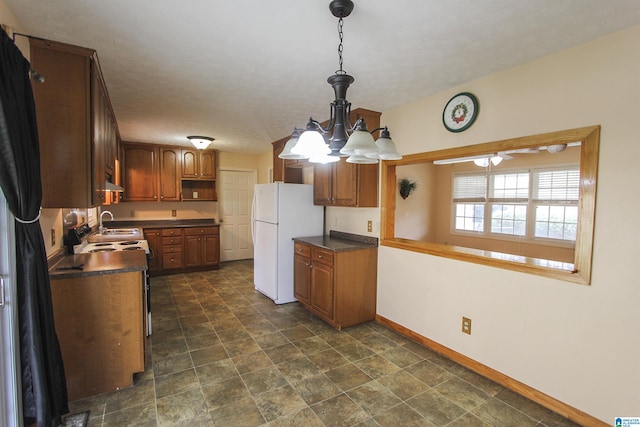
53, 237
466, 325
369, 226
174, 213
195, 194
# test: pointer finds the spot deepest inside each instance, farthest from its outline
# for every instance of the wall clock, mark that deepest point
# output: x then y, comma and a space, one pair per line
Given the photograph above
460, 112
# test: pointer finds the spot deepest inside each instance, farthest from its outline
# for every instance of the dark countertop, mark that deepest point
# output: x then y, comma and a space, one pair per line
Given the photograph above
99, 263
339, 242
161, 223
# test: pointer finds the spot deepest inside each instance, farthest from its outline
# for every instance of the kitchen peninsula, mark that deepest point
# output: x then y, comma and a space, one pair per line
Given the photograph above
98, 303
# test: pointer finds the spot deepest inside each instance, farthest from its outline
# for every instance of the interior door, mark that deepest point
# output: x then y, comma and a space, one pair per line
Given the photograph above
9, 376
235, 214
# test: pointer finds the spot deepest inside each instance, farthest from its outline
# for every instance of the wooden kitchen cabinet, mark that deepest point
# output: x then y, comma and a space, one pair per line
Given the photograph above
345, 184
178, 249
139, 172
100, 325
302, 273
172, 248
198, 164
169, 174
201, 247
337, 286
76, 126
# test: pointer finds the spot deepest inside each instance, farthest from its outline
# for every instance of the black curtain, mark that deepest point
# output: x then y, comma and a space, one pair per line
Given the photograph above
44, 390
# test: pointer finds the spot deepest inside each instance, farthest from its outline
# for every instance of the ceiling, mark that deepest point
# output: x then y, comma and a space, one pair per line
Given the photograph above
247, 71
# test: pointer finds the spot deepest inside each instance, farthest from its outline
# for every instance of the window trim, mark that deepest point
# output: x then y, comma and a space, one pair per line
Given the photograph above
530, 202
579, 272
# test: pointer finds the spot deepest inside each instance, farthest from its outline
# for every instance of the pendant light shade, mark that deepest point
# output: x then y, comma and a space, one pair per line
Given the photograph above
386, 147
286, 152
360, 142
311, 143
361, 159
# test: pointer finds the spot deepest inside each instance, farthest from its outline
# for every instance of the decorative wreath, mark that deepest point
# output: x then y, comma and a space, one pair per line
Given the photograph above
465, 110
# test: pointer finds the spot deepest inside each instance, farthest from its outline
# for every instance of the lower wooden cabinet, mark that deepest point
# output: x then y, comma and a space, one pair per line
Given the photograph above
201, 247
183, 248
337, 286
100, 325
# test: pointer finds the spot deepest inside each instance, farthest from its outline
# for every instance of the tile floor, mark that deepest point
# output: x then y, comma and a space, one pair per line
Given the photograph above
221, 354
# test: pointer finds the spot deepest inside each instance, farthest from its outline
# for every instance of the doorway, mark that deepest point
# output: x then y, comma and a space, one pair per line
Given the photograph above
235, 200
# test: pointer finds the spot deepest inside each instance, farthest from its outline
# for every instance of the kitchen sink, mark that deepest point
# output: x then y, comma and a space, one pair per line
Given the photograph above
117, 234
121, 231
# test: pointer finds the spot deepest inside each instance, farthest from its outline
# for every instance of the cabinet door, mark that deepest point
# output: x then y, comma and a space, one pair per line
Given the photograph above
140, 173
322, 184
322, 289
169, 170
301, 278
211, 250
190, 165
99, 137
153, 238
344, 183
208, 164
192, 251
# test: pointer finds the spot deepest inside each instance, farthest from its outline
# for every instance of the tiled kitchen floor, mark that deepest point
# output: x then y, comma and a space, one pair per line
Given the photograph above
222, 354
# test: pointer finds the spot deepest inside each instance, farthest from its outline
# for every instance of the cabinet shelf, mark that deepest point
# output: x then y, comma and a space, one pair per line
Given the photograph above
199, 190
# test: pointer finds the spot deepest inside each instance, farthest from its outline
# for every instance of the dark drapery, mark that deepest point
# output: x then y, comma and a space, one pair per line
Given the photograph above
44, 391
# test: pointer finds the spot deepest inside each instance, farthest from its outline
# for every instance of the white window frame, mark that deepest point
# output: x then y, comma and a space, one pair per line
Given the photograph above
530, 202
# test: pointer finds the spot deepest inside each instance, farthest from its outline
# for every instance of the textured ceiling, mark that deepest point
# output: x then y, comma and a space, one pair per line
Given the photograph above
247, 71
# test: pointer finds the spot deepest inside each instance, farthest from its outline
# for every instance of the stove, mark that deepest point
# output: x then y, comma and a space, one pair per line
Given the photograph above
126, 245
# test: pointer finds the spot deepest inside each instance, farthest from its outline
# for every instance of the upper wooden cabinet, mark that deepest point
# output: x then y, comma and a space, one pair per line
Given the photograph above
198, 164
76, 126
169, 174
156, 173
345, 184
139, 172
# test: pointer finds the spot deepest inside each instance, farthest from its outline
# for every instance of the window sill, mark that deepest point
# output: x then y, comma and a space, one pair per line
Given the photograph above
541, 267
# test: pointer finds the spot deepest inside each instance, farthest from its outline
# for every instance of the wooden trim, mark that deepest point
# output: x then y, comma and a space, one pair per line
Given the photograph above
581, 273
514, 385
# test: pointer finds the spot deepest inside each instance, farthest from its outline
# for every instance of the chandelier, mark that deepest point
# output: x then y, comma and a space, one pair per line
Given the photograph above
346, 139
200, 142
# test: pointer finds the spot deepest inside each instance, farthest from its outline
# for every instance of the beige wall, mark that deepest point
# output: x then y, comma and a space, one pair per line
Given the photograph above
578, 344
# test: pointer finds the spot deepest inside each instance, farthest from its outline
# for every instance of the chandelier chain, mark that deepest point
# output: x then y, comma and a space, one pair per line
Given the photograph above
340, 36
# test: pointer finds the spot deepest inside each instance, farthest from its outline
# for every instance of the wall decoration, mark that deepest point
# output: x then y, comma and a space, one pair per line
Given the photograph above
460, 112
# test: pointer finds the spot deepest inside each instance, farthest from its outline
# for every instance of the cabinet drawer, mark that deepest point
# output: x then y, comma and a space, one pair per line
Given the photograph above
302, 250
171, 241
197, 231
171, 260
172, 249
168, 232
322, 255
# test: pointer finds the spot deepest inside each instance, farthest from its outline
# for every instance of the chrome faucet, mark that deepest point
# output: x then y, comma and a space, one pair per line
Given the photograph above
101, 227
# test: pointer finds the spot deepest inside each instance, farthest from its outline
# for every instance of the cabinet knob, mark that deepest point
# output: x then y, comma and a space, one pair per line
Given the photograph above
162, 197
155, 197
319, 256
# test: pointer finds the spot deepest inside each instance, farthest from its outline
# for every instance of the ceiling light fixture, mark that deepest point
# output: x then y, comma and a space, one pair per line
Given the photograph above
200, 142
345, 140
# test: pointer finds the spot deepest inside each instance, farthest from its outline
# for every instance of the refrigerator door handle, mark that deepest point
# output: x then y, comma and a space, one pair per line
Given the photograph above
253, 219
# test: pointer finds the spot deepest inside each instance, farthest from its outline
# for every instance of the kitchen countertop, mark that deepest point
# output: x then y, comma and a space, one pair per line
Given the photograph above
338, 241
161, 223
98, 263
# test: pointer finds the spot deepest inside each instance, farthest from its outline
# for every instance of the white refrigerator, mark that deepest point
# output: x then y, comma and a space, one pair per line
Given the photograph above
280, 213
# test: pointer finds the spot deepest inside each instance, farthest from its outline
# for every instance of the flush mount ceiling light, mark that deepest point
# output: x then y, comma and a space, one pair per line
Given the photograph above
346, 139
200, 142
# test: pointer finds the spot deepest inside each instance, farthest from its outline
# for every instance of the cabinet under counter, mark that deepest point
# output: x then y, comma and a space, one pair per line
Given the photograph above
98, 307
336, 278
